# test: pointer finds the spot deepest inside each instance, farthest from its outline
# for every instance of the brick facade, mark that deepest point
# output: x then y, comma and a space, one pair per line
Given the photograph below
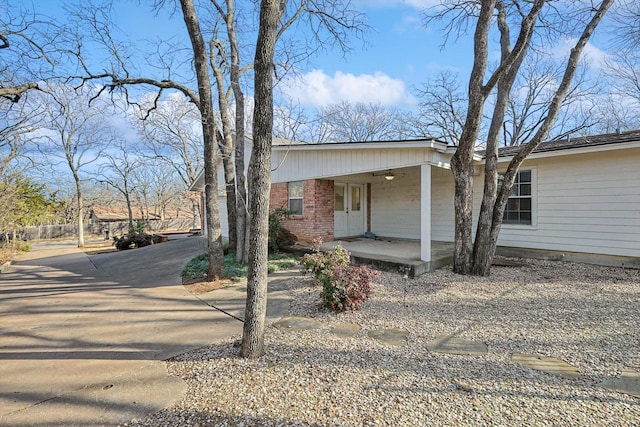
317, 211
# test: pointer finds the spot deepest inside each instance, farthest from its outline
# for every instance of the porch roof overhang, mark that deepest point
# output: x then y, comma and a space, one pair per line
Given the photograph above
297, 162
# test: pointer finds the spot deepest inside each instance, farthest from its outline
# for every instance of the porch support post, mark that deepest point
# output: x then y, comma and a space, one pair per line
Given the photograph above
425, 213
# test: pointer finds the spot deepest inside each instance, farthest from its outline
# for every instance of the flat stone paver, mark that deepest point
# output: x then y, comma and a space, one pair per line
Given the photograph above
390, 336
550, 365
346, 330
459, 346
297, 324
627, 383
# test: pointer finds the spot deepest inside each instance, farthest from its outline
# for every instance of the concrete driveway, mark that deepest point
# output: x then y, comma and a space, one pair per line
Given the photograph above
82, 338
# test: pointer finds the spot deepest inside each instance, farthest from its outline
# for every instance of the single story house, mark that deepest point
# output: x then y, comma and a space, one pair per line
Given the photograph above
112, 220
107, 214
574, 199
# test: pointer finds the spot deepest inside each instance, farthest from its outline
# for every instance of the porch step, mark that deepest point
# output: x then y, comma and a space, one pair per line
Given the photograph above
394, 265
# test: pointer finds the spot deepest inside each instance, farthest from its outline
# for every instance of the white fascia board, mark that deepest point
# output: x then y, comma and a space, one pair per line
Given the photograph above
440, 146
571, 151
198, 183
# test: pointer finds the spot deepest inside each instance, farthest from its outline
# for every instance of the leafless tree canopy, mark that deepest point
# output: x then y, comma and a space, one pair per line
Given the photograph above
496, 88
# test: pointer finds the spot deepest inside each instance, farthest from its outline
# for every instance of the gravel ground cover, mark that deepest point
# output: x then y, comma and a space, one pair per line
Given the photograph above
585, 315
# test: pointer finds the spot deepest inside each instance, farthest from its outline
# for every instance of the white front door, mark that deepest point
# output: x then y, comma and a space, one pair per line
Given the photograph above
348, 216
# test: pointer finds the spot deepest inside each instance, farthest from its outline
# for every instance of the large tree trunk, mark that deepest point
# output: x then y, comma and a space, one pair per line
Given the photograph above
484, 246
462, 161
260, 181
463, 204
494, 200
209, 131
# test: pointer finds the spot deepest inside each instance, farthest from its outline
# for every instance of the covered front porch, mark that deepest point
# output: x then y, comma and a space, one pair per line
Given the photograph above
393, 254
397, 194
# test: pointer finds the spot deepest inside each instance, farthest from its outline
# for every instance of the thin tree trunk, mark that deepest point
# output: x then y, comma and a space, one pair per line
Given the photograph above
130, 211
226, 146
80, 212
241, 190
230, 188
260, 181
238, 95
214, 236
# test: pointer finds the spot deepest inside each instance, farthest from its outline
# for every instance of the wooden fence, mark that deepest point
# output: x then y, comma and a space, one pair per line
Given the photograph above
64, 231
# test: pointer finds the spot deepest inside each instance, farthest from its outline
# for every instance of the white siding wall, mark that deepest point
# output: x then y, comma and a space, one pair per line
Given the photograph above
585, 203
224, 218
442, 213
395, 206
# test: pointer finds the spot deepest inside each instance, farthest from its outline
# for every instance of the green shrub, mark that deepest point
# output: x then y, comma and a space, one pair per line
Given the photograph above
138, 227
344, 287
22, 246
278, 235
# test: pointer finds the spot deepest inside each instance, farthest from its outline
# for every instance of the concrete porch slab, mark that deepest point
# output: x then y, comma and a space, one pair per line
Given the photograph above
391, 254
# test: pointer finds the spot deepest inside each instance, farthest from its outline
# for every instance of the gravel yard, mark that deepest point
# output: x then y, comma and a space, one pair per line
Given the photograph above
587, 316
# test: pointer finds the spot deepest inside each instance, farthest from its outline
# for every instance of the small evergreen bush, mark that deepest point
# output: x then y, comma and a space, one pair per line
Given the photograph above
278, 235
344, 287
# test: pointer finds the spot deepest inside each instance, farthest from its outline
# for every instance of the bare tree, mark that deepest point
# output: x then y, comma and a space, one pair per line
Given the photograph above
166, 193
19, 122
210, 133
119, 77
171, 134
75, 136
259, 179
228, 71
442, 108
360, 122
530, 98
27, 48
118, 171
474, 256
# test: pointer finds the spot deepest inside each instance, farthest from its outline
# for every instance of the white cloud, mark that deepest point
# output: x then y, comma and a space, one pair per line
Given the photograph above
319, 89
594, 57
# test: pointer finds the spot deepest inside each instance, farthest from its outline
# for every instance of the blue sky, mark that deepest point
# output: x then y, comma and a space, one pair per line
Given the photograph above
400, 53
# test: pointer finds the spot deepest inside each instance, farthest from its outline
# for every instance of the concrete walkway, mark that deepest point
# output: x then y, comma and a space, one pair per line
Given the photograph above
82, 338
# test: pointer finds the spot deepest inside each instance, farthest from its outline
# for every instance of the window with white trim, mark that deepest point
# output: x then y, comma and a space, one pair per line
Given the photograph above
519, 209
295, 197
